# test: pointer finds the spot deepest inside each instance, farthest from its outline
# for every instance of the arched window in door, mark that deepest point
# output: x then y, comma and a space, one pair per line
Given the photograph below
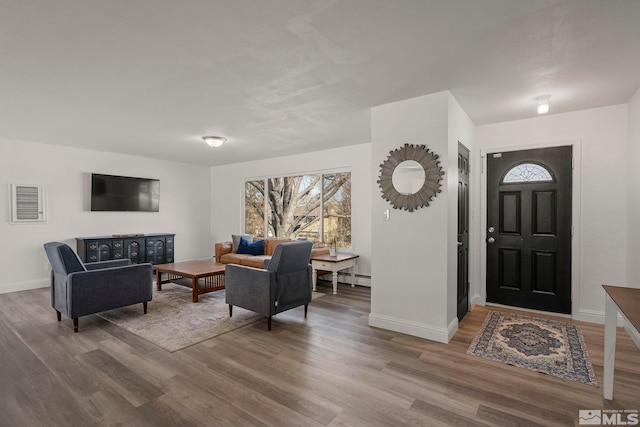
527, 172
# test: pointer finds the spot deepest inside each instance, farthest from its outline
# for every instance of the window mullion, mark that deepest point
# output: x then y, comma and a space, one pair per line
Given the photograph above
321, 227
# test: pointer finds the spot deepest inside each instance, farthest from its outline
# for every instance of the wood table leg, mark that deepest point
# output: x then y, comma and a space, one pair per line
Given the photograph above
194, 288
610, 323
314, 279
158, 280
334, 281
353, 275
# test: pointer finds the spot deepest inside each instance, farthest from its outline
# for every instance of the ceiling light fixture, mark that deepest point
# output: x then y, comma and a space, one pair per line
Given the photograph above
214, 141
543, 104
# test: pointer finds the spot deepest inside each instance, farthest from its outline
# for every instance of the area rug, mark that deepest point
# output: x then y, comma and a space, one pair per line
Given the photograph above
546, 346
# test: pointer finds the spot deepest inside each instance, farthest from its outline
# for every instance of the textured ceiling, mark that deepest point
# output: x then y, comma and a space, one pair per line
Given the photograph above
276, 77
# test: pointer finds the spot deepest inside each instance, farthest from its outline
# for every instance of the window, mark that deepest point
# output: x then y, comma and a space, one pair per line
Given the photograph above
315, 207
527, 172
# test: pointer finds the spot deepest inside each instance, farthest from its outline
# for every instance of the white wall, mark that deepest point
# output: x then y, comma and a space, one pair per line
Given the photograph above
633, 162
184, 206
409, 289
602, 133
227, 191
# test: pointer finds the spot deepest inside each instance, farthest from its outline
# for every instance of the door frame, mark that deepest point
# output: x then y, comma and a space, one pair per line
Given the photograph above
469, 233
576, 144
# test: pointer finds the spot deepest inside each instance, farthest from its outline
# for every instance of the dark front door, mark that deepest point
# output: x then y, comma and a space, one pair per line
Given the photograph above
463, 231
529, 229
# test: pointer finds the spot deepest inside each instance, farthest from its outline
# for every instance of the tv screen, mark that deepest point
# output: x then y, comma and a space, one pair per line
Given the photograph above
124, 193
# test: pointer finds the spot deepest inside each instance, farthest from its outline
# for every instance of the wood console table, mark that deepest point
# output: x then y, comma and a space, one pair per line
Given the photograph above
334, 264
627, 301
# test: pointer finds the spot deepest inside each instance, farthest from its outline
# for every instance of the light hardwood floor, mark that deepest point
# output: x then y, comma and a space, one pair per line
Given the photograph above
330, 370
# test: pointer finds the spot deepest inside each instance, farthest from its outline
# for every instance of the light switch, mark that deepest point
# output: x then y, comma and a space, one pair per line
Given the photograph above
385, 215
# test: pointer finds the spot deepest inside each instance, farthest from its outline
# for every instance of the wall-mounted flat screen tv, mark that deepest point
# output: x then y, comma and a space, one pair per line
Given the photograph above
124, 193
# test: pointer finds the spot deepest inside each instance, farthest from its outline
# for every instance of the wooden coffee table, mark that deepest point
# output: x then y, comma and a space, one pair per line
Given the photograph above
202, 276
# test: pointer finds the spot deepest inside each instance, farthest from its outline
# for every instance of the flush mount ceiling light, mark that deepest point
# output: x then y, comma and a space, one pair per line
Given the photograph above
543, 104
214, 141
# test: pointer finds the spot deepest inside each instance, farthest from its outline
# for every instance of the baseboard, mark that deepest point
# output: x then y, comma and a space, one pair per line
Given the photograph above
592, 316
415, 329
477, 300
452, 329
595, 316
24, 286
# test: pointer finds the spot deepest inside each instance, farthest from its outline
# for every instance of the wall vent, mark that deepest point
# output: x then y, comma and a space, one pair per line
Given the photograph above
27, 203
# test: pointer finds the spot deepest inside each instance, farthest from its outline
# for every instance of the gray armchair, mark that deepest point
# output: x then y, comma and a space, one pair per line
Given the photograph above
283, 284
79, 289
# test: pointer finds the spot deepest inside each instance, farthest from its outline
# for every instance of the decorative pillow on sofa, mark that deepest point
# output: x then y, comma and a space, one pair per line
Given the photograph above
249, 248
235, 241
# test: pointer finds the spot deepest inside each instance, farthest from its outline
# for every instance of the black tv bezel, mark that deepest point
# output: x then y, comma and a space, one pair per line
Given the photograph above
91, 192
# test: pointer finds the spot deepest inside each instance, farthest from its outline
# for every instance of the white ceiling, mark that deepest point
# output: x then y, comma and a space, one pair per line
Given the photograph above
277, 77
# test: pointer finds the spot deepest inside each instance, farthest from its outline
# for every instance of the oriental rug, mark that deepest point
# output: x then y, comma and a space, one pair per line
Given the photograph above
174, 322
546, 346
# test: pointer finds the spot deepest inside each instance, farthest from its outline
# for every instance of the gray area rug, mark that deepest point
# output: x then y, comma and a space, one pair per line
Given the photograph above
546, 346
174, 322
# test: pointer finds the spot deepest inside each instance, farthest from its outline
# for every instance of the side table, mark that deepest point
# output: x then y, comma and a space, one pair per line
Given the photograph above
334, 264
627, 302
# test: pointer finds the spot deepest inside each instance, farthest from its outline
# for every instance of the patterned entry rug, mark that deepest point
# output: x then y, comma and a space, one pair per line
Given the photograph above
174, 322
546, 346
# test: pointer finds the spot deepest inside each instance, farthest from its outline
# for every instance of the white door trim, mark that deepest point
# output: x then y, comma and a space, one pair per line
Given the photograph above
575, 214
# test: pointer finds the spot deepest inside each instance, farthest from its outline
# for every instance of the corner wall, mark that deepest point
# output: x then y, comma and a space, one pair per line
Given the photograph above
633, 213
411, 252
65, 171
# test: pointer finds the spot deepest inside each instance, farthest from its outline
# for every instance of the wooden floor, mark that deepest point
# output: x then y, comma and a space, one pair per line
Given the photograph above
330, 370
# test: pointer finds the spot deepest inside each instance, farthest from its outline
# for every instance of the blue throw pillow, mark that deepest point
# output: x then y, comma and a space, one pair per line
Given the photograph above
255, 248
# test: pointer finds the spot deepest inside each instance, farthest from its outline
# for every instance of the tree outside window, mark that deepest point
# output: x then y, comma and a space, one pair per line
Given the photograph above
315, 207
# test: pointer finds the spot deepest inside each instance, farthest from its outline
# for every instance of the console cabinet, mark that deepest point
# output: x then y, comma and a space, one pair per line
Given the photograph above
156, 248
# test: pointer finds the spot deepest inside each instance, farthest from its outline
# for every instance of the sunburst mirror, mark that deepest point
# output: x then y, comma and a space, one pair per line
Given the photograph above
410, 177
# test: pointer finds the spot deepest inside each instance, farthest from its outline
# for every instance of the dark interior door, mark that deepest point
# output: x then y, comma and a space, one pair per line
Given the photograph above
529, 229
463, 231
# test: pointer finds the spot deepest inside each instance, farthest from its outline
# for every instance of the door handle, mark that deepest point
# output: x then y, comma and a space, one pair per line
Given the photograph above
491, 240
459, 243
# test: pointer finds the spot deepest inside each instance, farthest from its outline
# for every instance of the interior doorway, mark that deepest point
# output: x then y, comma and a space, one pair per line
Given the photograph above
463, 231
528, 228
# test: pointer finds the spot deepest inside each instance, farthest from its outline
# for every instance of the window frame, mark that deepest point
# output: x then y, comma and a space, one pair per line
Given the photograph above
266, 199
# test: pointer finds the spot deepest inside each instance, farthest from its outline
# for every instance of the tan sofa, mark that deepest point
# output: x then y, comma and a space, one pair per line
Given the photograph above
226, 256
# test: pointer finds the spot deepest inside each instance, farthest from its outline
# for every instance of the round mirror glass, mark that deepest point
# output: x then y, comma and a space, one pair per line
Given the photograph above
408, 177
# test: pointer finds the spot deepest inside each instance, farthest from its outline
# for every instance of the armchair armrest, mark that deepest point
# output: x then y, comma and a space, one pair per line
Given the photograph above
107, 264
221, 249
250, 288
